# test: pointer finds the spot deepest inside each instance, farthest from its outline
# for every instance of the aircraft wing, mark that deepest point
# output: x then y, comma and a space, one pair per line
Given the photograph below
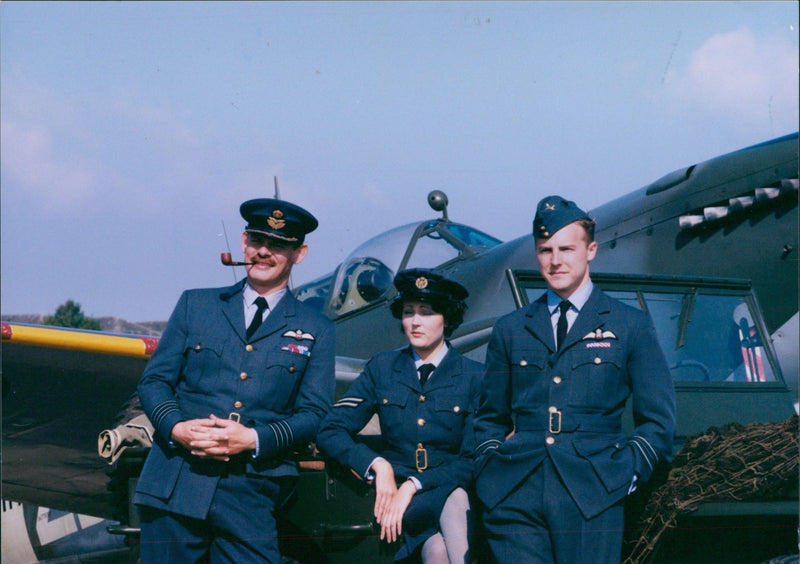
61, 388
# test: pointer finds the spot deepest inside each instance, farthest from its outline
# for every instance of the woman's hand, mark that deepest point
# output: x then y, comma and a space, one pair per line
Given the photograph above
385, 487
392, 521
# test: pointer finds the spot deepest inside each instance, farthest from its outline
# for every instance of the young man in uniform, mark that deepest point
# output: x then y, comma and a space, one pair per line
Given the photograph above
241, 376
558, 375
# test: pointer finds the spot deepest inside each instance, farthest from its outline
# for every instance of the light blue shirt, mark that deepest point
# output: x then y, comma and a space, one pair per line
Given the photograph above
249, 295
577, 300
437, 360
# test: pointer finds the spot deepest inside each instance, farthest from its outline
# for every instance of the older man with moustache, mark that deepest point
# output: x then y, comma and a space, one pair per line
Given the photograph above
241, 376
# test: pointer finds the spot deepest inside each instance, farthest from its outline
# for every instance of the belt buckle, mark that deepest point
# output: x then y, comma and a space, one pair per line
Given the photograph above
233, 416
424, 455
557, 430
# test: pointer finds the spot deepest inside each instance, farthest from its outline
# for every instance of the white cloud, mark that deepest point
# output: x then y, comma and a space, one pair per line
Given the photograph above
737, 78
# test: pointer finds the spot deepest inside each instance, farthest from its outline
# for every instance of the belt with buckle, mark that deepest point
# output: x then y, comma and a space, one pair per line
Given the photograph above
421, 454
555, 417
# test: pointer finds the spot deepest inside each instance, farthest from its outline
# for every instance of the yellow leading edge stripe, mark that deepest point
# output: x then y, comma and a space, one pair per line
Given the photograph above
139, 347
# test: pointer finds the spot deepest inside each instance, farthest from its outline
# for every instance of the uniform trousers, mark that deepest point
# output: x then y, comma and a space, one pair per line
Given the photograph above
240, 527
539, 523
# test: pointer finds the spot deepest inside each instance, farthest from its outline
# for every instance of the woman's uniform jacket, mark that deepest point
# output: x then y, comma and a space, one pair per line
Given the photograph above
281, 383
426, 430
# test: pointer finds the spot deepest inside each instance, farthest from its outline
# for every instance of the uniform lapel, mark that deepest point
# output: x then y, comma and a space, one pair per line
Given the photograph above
404, 372
537, 321
278, 318
232, 305
445, 372
589, 319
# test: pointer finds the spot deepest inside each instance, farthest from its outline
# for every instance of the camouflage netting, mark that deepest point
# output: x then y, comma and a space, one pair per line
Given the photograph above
756, 462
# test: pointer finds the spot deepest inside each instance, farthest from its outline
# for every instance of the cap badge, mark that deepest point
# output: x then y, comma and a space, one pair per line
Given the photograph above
421, 283
276, 221
550, 207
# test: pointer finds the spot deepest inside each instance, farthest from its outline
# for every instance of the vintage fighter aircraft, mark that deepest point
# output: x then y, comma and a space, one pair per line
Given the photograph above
710, 251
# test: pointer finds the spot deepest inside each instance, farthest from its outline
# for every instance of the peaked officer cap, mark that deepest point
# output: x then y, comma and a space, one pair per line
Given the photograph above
424, 285
278, 218
553, 213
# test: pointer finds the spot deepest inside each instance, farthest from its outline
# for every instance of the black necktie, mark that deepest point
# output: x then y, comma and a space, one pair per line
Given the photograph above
425, 371
261, 302
561, 327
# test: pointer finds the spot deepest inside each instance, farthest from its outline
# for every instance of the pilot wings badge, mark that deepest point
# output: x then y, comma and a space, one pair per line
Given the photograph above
300, 335
597, 339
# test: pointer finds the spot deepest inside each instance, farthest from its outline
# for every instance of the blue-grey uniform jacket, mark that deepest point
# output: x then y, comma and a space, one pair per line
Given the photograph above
568, 404
426, 430
281, 383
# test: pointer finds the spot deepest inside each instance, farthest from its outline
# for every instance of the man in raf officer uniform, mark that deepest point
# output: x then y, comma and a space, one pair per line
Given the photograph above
241, 376
558, 374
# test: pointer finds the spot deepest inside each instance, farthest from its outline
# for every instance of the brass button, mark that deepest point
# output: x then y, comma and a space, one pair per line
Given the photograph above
238, 405
421, 422
249, 348
422, 399
597, 360
523, 362
243, 375
198, 347
550, 440
557, 379
552, 409
291, 369
456, 409
385, 401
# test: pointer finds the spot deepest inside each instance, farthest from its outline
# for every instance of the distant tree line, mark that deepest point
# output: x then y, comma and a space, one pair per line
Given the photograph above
69, 314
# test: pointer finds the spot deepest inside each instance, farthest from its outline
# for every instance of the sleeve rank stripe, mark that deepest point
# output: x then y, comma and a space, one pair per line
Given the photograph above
349, 402
162, 410
283, 434
653, 452
645, 454
486, 445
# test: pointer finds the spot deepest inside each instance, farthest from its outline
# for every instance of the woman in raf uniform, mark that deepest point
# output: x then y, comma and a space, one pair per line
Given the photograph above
425, 396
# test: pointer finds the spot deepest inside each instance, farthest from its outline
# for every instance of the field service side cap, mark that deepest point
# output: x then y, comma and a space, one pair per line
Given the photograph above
553, 213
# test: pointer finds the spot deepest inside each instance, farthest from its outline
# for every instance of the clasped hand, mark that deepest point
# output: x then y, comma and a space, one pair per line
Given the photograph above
391, 502
214, 438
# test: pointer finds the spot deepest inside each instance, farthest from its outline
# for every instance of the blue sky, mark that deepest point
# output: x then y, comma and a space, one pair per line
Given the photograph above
132, 131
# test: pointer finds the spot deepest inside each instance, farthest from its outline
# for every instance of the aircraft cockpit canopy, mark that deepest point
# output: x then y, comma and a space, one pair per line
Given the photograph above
365, 276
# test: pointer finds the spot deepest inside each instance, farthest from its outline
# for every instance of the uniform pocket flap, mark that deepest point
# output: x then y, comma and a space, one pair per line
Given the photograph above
528, 358
291, 361
200, 343
397, 398
611, 461
597, 356
452, 404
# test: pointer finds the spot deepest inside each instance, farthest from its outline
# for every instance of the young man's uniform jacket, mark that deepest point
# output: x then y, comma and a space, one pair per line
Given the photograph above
436, 417
568, 404
280, 382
